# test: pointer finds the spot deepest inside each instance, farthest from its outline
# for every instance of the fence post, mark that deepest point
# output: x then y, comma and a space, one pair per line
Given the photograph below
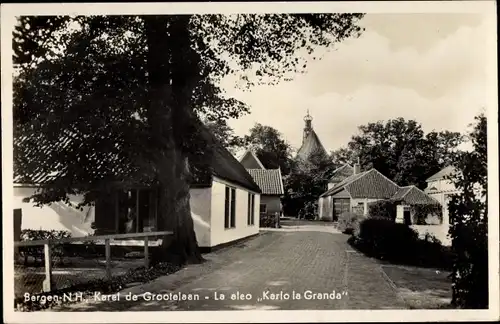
108, 258
47, 283
146, 252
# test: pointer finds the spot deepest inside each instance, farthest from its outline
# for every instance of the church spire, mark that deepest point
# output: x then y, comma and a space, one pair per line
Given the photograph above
308, 125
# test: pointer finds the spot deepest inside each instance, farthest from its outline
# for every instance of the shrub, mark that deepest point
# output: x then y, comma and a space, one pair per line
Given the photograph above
37, 252
421, 212
398, 243
383, 209
309, 211
386, 238
348, 222
267, 220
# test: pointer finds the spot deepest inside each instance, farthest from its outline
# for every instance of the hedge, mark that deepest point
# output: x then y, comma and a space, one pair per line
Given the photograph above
383, 209
397, 243
267, 220
348, 222
37, 252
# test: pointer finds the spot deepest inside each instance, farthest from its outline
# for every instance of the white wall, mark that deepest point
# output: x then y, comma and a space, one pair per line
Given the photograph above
201, 205
57, 216
219, 234
444, 188
438, 231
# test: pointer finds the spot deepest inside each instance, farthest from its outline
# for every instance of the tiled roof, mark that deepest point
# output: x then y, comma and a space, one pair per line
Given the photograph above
415, 196
341, 173
368, 184
311, 145
269, 181
401, 192
223, 164
227, 167
372, 184
342, 184
447, 171
29, 147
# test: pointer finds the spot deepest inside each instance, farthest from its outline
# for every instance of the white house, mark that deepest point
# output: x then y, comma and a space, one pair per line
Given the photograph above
441, 188
223, 206
351, 189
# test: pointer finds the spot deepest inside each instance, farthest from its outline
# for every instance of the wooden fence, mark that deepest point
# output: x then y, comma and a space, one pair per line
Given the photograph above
108, 241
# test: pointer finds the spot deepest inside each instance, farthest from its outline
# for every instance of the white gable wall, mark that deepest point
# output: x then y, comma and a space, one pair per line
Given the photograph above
221, 235
57, 216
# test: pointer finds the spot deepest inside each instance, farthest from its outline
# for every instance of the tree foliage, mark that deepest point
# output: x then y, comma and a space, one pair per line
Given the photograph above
306, 181
271, 149
399, 149
468, 213
127, 91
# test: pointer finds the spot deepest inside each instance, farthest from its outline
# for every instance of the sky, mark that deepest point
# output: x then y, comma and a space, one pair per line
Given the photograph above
426, 67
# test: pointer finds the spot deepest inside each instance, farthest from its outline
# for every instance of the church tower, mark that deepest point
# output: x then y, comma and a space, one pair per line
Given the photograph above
310, 141
308, 126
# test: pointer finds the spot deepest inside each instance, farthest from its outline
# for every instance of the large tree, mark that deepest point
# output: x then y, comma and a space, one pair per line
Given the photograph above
225, 135
271, 149
127, 90
468, 212
401, 150
304, 184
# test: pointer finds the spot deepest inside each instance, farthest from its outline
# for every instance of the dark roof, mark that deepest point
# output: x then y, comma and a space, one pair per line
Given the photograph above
269, 181
223, 164
368, 184
311, 145
414, 196
341, 173
340, 186
447, 171
29, 147
401, 192
227, 167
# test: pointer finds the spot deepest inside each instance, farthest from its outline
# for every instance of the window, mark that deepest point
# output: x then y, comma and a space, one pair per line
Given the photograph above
135, 211
230, 208
251, 209
263, 208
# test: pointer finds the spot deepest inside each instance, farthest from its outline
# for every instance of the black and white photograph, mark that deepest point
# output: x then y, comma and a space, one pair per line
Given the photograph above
262, 162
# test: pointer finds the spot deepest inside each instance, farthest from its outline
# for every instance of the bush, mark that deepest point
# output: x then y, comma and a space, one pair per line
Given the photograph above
383, 209
348, 222
398, 243
37, 252
385, 238
421, 212
268, 220
309, 211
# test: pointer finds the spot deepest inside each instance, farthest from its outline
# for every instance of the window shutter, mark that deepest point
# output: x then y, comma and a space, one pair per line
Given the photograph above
226, 209
233, 207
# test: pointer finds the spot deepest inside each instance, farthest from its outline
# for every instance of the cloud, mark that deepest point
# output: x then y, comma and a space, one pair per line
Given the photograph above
376, 77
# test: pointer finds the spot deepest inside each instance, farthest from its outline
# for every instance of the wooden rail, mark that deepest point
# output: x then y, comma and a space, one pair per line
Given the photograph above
108, 241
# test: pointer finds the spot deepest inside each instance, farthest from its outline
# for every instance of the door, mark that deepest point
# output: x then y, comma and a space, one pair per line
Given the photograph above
407, 215
340, 205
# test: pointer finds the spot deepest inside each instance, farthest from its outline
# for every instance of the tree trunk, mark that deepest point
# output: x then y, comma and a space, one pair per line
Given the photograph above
169, 114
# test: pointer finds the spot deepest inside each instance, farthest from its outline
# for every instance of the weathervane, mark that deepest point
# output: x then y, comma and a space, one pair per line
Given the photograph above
308, 117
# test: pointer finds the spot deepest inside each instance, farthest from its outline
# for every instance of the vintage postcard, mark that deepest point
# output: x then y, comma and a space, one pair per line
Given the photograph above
250, 162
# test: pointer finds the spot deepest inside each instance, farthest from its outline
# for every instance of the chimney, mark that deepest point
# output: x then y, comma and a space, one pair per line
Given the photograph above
357, 167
